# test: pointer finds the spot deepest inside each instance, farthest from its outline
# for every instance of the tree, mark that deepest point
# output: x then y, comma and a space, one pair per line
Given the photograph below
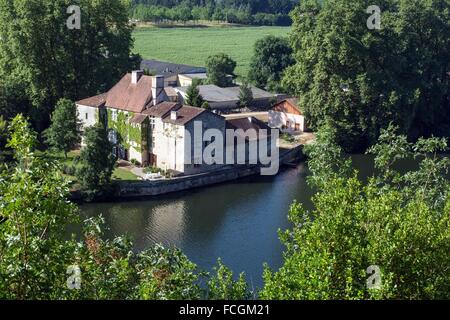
96, 162
36, 210
271, 56
38, 261
3, 137
220, 69
223, 287
193, 96
362, 79
396, 225
64, 132
245, 96
205, 105
13, 98
50, 61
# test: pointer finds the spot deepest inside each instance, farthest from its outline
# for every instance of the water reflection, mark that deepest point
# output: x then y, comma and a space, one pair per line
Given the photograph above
236, 221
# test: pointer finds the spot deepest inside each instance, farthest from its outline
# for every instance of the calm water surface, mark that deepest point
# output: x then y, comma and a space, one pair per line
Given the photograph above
237, 221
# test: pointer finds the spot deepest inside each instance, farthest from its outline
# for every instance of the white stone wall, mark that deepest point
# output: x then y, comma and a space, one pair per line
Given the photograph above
279, 119
135, 153
168, 145
184, 81
88, 116
172, 147
209, 121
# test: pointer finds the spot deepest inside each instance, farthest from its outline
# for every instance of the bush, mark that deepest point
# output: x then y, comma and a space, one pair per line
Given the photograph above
135, 162
287, 137
69, 169
397, 224
153, 170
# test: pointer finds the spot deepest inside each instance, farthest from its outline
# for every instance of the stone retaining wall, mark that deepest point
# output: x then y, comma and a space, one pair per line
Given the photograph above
158, 187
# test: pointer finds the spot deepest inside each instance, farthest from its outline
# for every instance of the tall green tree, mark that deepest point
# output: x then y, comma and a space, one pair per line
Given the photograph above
245, 95
34, 204
193, 96
271, 56
396, 225
96, 162
13, 99
64, 132
220, 69
38, 260
51, 61
362, 79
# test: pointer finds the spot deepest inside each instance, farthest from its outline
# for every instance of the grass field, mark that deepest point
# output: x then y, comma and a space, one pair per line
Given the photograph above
192, 45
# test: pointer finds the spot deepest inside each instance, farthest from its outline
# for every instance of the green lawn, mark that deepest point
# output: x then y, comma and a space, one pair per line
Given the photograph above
123, 174
193, 45
118, 174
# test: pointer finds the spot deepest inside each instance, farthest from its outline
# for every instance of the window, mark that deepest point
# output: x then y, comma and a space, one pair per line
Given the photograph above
152, 122
153, 142
86, 115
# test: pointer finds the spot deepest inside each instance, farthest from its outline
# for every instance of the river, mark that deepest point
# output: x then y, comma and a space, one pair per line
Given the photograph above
236, 221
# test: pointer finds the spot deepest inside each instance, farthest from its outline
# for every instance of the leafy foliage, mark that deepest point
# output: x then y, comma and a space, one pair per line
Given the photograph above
193, 96
397, 221
35, 252
245, 95
3, 134
45, 61
96, 161
35, 210
223, 287
272, 12
361, 79
271, 56
220, 67
64, 133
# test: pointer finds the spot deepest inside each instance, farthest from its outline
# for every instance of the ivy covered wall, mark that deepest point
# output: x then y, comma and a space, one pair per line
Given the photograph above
129, 135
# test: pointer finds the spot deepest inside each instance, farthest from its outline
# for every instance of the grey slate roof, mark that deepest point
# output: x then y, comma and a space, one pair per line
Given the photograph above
168, 69
213, 93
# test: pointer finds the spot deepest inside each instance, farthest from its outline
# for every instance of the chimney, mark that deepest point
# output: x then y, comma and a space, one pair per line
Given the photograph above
157, 88
136, 75
173, 115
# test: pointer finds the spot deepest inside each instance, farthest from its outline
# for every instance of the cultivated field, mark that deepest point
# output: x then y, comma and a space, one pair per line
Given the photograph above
192, 45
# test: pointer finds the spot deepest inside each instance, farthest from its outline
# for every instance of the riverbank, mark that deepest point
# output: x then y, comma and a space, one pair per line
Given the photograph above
177, 184
235, 220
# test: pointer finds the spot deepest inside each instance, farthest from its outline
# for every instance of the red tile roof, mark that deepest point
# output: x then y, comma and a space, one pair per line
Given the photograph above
288, 106
95, 101
161, 109
138, 118
184, 115
130, 97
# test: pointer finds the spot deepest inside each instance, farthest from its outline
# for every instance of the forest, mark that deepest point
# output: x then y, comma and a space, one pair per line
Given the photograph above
257, 12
